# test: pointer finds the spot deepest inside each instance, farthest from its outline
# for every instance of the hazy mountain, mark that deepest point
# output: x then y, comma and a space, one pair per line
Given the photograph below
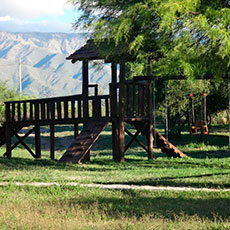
45, 70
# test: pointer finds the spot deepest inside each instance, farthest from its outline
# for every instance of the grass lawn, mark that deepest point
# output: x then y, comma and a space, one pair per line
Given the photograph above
68, 207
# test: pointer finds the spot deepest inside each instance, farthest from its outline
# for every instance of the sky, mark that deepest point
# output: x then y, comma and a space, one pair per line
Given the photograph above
37, 16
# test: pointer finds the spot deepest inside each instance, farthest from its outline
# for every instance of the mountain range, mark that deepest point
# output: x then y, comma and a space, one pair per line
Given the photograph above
45, 72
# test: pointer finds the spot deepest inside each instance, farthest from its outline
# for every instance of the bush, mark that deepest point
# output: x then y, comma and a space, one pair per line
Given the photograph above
6, 95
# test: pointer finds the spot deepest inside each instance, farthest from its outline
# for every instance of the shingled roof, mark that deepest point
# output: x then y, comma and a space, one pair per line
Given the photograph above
89, 51
107, 51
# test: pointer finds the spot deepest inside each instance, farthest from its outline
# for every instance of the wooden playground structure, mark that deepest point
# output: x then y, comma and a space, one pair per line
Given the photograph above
128, 102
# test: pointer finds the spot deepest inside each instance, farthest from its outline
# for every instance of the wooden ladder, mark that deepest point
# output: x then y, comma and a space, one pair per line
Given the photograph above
85, 140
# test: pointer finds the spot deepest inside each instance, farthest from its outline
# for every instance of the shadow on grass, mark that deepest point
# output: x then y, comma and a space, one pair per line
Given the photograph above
137, 204
180, 182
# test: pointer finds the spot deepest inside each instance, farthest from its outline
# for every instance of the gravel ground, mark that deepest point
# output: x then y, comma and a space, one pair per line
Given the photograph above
115, 186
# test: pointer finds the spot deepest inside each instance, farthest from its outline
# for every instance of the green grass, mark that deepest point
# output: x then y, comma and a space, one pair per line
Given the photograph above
66, 207
81, 208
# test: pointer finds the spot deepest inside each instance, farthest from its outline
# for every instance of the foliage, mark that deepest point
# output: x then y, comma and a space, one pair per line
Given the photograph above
182, 37
7, 94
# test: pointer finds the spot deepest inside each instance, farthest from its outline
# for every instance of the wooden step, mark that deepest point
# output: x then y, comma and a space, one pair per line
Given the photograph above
84, 141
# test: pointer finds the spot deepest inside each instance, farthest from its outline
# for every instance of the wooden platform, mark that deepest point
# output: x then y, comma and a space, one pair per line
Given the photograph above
85, 140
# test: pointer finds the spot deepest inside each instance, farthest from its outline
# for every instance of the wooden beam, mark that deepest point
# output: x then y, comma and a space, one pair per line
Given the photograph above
52, 142
37, 142
122, 113
138, 142
18, 142
113, 102
8, 131
133, 138
150, 123
26, 146
75, 130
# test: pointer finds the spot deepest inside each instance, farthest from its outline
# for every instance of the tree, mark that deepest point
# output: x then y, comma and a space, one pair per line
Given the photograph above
188, 37
6, 95
183, 37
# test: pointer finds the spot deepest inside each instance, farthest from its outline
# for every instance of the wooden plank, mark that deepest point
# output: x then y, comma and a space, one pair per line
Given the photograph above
85, 93
52, 142
59, 110
48, 110
8, 131
31, 111
84, 141
107, 107
75, 130
25, 145
66, 108
12, 117
73, 109
37, 142
134, 100
18, 142
19, 111
133, 138
150, 123
122, 113
24, 111
43, 112
79, 108
36, 106
52, 110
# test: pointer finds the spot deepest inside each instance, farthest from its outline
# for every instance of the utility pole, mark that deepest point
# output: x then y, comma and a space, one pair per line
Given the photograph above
20, 75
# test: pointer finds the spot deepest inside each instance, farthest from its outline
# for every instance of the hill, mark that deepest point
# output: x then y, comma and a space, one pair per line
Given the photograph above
45, 70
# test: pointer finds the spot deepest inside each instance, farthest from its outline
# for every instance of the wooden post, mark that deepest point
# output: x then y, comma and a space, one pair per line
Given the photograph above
150, 115
121, 122
52, 142
8, 131
150, 128
37, 142
75, 130
85, 93
113, 102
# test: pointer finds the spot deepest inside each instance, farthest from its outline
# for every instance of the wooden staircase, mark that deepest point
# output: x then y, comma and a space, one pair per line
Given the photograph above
161, 142
85, 140
167, 147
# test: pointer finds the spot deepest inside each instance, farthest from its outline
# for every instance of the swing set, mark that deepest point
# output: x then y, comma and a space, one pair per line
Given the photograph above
198, 127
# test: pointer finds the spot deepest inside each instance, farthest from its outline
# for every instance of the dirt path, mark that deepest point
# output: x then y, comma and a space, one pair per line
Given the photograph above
116, 186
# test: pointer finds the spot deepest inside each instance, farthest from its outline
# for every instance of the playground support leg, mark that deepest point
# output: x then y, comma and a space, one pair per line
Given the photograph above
115, 140
52, 143
121, 123
150, 143
121, 142
75, 130
37, 142
8, 142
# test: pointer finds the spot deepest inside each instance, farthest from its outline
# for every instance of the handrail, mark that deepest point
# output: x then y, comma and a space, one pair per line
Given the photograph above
47, 99
63, 109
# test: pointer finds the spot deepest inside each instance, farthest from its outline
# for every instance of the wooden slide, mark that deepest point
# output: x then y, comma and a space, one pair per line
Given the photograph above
161, 142
167, 147
85, 140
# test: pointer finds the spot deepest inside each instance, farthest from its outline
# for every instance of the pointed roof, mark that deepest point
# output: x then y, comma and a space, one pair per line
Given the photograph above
108, 51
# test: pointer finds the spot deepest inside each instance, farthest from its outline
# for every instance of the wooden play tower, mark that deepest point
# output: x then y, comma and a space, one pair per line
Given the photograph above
128, 102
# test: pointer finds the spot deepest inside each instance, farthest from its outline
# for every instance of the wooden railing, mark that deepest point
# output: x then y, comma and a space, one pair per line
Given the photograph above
137, 100
58, 109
